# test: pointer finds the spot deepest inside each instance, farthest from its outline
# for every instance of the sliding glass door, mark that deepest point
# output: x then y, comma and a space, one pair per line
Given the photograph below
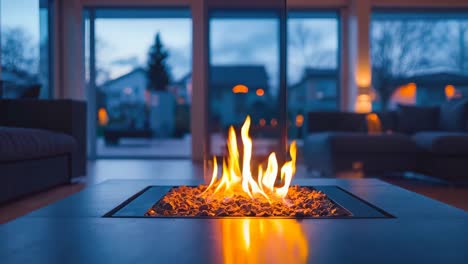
139, 82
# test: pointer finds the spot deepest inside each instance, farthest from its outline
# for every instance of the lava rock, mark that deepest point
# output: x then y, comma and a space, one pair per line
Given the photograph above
194, 201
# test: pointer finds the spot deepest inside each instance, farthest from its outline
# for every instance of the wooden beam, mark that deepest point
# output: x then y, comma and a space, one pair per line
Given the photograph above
70, 52
199, 110
360, 69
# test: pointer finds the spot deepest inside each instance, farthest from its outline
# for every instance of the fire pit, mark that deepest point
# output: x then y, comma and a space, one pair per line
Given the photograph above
240, 191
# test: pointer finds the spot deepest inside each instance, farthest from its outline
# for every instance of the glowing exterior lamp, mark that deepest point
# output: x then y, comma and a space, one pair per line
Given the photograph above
260, 92
240, 88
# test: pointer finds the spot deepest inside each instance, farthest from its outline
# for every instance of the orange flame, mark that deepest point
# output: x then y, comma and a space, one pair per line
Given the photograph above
239, 179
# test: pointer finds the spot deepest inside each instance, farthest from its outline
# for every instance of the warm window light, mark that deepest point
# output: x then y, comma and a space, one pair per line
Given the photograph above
450, 91
260, 92
363, 104
408, 91
103, 118
262, 122
405, 94
273, 122
299, 120
240, 88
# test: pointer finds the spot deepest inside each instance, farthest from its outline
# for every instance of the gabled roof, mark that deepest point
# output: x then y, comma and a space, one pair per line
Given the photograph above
17, 78
310, 73
134, 71
223, 76
227, 76
184, 79
319, 72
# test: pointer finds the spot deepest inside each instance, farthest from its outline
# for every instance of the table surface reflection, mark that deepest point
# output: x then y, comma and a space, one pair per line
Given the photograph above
73, 231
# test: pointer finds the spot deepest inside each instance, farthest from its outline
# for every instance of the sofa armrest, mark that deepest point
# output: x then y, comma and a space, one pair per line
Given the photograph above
63, 116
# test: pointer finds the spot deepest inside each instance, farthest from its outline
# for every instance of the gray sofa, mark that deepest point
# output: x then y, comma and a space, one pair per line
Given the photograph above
42, 144
428, 140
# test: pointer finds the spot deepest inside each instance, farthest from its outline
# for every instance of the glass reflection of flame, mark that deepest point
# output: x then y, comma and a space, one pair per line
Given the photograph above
262, 241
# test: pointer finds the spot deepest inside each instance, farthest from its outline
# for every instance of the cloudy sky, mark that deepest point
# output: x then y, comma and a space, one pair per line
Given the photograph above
21, 14
123, 44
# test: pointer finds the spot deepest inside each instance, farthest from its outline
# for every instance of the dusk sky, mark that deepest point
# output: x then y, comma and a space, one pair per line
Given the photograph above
21, 14
123, 43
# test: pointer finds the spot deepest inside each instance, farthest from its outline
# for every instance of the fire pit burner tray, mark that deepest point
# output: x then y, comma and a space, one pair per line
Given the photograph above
137, 205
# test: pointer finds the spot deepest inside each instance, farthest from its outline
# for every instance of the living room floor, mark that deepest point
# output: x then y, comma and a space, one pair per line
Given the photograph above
102, 170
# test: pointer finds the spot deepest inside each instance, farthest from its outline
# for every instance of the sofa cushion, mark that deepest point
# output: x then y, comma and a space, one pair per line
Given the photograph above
448, 143
336, 121
25, 143
454, 115
347, 142
412, 119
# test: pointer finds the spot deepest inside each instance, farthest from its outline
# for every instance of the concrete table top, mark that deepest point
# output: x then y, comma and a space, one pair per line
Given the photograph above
74, 231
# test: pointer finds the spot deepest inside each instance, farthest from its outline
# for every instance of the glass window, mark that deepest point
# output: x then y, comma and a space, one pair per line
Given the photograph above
142, 82
244, 77
418, 58
313, 68
25, 49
